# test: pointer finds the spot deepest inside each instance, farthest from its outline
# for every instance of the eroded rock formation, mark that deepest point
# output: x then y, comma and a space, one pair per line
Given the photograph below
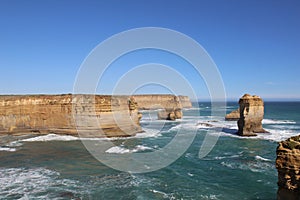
92, 116
251, 115
288, 167
164, 101
171, 114
233, 116
170, 105
88, 115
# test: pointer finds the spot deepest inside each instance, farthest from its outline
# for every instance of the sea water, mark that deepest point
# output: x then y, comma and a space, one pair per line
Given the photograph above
60, 167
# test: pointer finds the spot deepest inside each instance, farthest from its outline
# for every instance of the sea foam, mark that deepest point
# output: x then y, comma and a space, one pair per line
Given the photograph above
122, 150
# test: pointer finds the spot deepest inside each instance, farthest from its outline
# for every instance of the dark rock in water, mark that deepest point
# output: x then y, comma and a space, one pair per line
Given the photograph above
288, 167
68, 195
251, 115
233, 116
205, 124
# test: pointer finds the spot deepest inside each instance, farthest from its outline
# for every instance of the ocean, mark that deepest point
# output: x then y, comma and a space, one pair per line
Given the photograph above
60, 167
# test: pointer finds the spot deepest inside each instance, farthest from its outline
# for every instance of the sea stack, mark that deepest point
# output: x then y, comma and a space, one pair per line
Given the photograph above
172, 110
251, 115
288, 167
233, 116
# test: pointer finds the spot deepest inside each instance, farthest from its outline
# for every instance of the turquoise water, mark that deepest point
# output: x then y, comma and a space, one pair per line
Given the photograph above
237, 168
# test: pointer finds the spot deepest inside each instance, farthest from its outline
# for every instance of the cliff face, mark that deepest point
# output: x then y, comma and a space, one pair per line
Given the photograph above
43, 114
251, 115
288, 166
171, 105
147, 102
91, 115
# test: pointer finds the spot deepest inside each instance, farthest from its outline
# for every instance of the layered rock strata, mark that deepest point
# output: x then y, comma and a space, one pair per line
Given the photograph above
170, 106
171, 114
91, 116
162, 101
288, 167
233, 116
251, 115
88, 115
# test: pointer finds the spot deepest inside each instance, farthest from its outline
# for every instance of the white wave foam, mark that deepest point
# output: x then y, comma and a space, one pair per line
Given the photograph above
190, 174
275, 121
224, 157
122, 150
261, 158
7, 149
51, 137
284, 126
194, 108
33, 183
148, 133
254, 166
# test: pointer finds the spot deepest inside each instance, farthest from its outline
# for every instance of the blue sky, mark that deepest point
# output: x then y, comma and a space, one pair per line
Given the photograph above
255, 44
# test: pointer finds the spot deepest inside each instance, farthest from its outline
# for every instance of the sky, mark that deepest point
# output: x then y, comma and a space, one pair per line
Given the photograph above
254, 44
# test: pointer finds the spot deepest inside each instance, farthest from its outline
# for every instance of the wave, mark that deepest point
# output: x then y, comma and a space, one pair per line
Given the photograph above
11, 147
254, 166
261, 158
226, 157
191, 109
122, 150
275, 121
284, 126
51, 137
22, 183
148, 133
276, 131
8, 149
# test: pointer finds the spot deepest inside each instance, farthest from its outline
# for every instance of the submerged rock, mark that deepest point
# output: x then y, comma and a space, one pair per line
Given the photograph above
288, 167
251, 115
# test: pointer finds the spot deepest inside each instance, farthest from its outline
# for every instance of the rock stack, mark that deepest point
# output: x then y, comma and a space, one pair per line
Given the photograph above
288, 166
233, 116
172, 110
251, 115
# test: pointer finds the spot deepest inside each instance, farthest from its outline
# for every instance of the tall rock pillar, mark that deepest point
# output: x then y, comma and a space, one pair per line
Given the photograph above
251, 115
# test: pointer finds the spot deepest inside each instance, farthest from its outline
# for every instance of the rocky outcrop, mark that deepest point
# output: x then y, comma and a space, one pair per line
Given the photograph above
162, 101
170, 106
251, 115
171, 114
288, 167
233, 116
90, 115
96, 116
185, 101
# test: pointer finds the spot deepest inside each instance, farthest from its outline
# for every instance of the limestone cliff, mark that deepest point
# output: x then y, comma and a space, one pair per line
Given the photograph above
233, 116
171, 105
91, 115
43, 114
251, 115
288, 167
162, 101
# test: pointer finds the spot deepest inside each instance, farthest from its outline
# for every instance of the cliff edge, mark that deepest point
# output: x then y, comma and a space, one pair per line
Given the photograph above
89, 115
42, 114
288, 167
